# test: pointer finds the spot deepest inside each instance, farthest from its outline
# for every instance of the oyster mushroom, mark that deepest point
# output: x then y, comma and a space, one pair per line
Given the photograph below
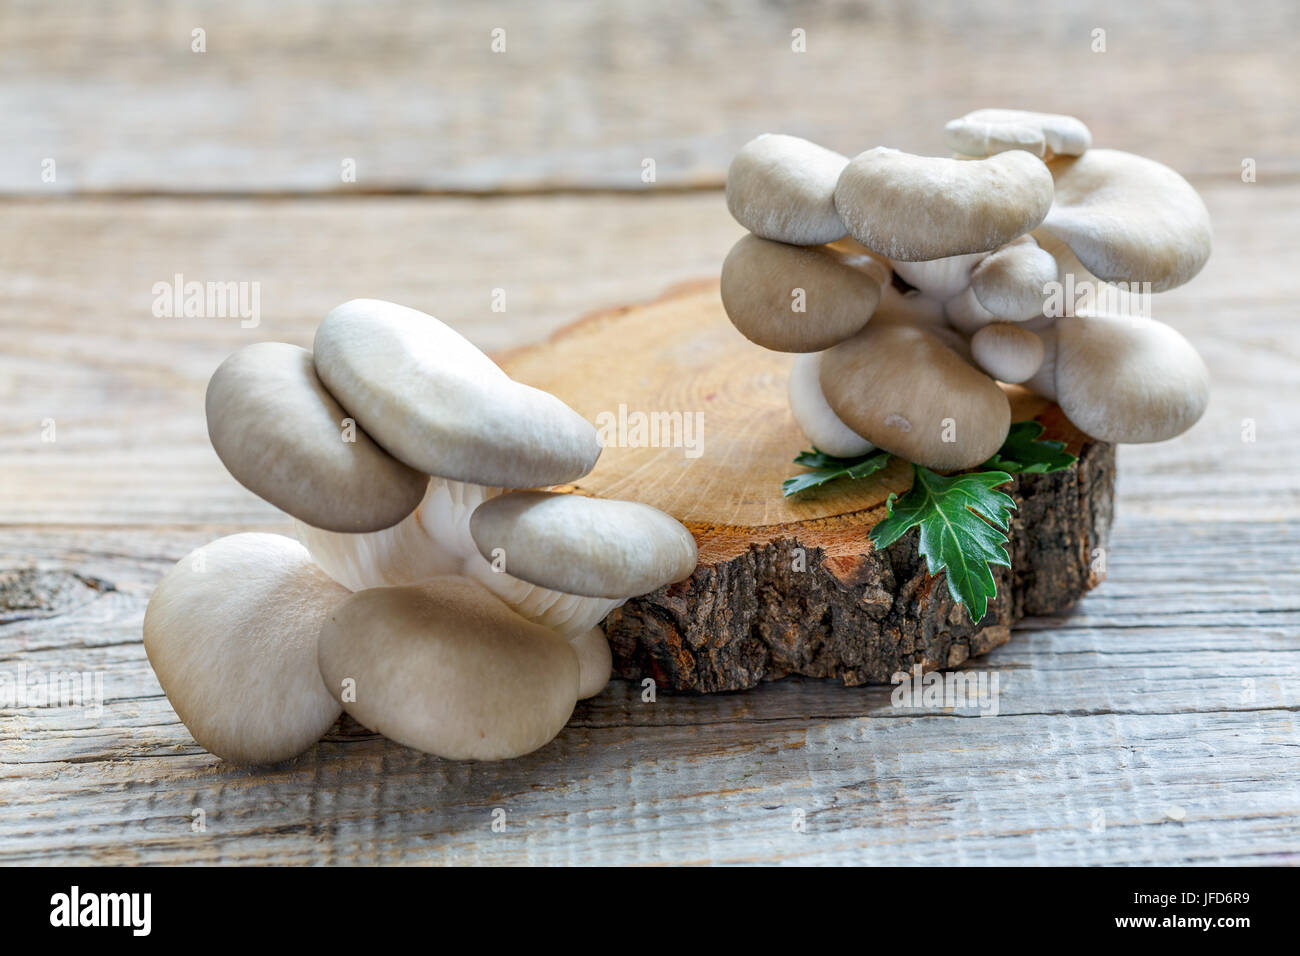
760, 284
1012, 283
1009, 353
441, 402
231, 633
437, 403
285, 438
448, 669
988, 131
820, 425
597, 547
1129, 380
783, 188
906, 391
908, 207
1128, 218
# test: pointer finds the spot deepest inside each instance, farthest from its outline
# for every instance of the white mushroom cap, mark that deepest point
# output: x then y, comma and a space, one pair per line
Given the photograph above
1129, 219
783, 188
903, 389
820, 425
910, 207
231, 634
437, 403
1130, 380
1012, 282
435, 541
446, 668
1009, 353
988, 131
596, 547
760, 279
282, 436
939, 279
595, 662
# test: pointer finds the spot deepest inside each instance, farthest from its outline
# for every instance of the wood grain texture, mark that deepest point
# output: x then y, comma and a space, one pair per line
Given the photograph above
584, 93
1154, 723
1167, 688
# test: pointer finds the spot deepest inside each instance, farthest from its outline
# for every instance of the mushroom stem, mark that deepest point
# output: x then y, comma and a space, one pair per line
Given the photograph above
434, 540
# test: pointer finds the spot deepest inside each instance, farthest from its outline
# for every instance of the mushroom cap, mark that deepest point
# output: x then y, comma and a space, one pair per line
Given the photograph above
1012, 282
939, 279
988, 131
1009, 353
281, 435
231, 634
898, 386
436, 402
783, 188
597, 547
1129, 380
1129, 219
446, 668
908, 207
595, 662
759, 278
816, 418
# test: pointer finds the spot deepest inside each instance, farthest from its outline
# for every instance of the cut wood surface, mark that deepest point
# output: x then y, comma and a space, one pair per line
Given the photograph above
1152, 722
702, 430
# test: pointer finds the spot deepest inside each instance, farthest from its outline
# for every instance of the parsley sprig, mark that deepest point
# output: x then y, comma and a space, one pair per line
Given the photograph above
963, 519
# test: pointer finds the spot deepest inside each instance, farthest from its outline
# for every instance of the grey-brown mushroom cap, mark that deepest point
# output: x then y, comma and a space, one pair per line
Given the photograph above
594, 547
446, 668
900, 387
437, 403
231, 632
783, 188
908, 207
763, 282
282, 436
1129, 219
1128, 379
816, 419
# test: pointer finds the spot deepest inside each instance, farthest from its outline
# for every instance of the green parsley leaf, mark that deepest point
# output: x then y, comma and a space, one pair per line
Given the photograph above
1024, 453
828, 468
963, 524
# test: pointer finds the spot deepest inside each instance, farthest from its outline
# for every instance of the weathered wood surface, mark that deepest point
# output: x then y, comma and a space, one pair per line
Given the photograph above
788, 585
584, 93
1155, 723
1174, 685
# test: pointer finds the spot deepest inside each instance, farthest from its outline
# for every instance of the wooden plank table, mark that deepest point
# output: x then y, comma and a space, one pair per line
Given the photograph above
1156, 722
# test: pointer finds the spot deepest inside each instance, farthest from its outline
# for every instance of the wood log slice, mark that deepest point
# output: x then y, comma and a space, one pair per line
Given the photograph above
789, 585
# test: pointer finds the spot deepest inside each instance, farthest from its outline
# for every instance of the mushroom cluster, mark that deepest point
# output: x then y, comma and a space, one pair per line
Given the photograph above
423, 596
912, 285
